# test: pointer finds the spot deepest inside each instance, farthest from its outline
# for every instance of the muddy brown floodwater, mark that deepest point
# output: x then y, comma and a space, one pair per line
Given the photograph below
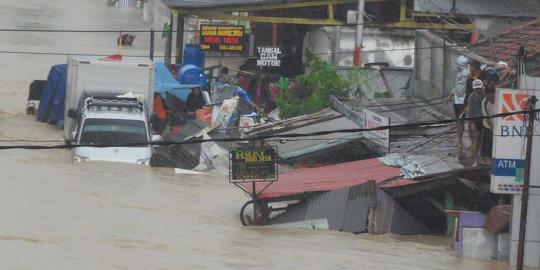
59, 215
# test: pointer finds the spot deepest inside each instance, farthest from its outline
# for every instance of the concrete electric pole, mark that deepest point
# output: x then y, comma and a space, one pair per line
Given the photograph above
359, 34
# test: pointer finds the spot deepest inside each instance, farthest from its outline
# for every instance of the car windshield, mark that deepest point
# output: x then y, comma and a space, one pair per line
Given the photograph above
113, 131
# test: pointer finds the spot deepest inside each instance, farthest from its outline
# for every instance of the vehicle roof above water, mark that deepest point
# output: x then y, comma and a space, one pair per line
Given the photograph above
126, 60
122, 115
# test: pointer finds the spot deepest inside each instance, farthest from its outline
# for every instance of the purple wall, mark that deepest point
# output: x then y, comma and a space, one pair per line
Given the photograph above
470, 220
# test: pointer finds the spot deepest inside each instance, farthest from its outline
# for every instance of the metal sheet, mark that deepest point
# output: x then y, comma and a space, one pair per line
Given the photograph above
345, 209
329, 178
298, 147
382, 80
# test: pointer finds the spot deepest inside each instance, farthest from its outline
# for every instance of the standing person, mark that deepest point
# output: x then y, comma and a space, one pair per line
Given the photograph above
474, 73
488, 109
474, 109
161, 114
458, 98
195, 100
223, 75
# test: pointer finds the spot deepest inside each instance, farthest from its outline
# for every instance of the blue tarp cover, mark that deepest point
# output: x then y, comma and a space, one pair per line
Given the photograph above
51, 104
224, 91
166, 83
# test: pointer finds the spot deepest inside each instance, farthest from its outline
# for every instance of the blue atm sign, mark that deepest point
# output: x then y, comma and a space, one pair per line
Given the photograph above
507, 167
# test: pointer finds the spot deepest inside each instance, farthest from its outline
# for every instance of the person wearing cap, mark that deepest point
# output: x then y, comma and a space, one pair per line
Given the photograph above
457, 97
474, 109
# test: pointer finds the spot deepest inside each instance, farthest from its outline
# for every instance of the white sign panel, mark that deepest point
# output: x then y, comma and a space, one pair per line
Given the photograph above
375, 120
509, 142
268, 57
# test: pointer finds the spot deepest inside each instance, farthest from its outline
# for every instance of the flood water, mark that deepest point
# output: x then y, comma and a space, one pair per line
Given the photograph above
58, 215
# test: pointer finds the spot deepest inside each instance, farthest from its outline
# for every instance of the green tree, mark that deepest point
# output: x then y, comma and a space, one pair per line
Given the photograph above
315, 88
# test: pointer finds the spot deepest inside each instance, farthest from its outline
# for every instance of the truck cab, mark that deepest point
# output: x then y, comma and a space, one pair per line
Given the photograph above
109, 121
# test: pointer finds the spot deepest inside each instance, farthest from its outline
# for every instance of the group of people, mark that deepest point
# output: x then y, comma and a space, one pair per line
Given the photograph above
194, 102
474, 97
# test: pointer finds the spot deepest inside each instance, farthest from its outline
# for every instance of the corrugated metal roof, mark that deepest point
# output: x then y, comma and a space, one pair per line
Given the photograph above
324, 120
328, 178
215, 3
502, 8
345, 209
433, 141
308, 145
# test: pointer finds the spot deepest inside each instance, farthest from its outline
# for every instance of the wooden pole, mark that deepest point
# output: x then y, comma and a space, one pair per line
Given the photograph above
526, 182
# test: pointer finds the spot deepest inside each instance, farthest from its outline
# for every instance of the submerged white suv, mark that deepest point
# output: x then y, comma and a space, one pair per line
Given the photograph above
109, 121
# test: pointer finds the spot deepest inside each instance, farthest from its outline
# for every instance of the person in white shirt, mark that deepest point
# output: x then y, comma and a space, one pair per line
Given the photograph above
458, 96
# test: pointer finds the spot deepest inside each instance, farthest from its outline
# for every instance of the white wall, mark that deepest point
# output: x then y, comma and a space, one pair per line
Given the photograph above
393, 47
156, 14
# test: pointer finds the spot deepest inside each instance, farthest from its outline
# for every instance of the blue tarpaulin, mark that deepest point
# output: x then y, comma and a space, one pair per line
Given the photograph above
224, 91
51, 104
166, 83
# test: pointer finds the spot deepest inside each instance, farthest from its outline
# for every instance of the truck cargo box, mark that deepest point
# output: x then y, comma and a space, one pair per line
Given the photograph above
94, 76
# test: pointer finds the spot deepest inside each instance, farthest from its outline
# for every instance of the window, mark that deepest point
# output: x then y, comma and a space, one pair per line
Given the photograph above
113, 131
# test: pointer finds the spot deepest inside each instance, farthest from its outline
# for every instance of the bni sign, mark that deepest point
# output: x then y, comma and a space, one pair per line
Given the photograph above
375, 120
509, 142
268, 57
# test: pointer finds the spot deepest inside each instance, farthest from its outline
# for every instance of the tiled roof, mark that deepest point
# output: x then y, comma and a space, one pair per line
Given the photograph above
505, 46
500, 8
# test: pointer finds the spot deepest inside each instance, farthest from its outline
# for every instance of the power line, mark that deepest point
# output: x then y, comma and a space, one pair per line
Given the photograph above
159, 31
412, 107
406, 103
210, 56
265, 137
414, 147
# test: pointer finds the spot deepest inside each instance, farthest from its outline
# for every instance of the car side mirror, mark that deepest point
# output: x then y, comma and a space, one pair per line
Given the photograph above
72, 113
156, 138
73, 135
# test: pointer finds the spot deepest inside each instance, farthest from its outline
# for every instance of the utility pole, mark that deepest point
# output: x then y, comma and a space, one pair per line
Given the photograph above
180, 40
152, 43
526, 181
168, 42
359, 34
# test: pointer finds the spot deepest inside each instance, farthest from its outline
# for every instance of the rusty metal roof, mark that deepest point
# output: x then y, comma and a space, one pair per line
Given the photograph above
329, 178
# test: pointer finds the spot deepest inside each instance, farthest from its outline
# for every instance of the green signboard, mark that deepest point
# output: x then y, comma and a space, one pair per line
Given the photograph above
252, 164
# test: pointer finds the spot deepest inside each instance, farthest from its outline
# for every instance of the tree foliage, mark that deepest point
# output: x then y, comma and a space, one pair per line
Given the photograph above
314, 88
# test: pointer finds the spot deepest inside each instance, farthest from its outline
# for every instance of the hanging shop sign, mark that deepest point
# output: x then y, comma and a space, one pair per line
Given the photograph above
252, 164
268, 57
509, 142
375, 120
222, 38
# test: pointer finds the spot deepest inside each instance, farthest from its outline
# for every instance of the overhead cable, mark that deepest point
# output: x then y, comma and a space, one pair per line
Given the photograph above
265, 137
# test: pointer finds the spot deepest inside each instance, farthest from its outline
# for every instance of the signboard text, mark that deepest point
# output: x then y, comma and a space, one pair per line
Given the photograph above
222, 38
253, 164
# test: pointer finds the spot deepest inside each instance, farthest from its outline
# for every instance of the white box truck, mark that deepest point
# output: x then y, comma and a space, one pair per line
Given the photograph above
108, 103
